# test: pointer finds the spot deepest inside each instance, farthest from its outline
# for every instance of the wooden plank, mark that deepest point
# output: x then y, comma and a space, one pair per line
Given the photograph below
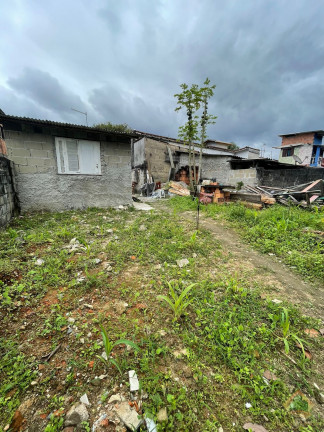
311, 185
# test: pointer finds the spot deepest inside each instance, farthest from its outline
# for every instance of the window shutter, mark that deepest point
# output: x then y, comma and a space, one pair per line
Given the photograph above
60, 155
89, 152
72, 155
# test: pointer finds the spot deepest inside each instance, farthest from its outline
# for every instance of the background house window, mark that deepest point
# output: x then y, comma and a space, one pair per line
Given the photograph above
287, 152
78, 156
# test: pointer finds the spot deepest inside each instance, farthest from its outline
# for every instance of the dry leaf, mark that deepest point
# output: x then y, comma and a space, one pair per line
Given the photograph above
269, 376
312, 333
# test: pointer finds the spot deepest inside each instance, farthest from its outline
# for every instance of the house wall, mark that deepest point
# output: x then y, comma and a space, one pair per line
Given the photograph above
155, 156
303, 152
282, 178
8, 199
40, 187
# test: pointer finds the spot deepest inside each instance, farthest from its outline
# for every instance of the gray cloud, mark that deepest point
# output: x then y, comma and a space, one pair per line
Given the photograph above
123, 61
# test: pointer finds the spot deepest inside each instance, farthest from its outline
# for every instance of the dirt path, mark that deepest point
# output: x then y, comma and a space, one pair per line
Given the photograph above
283, 283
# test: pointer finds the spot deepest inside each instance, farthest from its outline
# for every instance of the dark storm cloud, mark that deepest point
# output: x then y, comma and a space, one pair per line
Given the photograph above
44, 89
123, 61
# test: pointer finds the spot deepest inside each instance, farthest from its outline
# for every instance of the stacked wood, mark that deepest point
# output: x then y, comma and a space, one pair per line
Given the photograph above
178, 189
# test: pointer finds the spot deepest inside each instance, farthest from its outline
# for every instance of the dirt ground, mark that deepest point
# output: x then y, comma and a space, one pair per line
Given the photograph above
283, 282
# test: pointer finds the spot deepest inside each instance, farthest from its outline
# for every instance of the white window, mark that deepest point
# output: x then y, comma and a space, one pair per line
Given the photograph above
78, 156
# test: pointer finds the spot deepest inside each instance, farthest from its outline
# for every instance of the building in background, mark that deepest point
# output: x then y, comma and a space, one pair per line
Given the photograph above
302, 148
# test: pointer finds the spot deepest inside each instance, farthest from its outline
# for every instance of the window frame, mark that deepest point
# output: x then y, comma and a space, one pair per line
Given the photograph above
63, 158
288, 150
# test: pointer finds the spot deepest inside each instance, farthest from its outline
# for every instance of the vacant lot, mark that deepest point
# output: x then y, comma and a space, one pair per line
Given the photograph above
231, 356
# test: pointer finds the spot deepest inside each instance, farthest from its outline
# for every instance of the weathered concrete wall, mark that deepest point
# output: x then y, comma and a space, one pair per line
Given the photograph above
247, 176
9, 206
155, 152
40, 187
212, 167
139, 152
288, 177
303, 152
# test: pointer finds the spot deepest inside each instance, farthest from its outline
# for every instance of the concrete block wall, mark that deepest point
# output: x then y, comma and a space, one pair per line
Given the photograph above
8, 198
40, 187
155, 156
247, 176
288, 177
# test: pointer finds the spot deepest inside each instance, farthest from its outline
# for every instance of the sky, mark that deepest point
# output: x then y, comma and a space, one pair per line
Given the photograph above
123, 61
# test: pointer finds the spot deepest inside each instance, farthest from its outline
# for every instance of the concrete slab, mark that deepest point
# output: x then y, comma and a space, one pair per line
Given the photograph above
142, 206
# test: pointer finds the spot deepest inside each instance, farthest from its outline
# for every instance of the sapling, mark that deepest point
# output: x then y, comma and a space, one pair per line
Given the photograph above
109, 346
177, 303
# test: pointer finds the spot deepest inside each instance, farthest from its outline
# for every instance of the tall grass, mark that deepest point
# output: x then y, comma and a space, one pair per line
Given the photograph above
287, 232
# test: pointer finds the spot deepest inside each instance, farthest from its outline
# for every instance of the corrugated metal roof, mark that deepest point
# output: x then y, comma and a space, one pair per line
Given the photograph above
65, 125
319, 132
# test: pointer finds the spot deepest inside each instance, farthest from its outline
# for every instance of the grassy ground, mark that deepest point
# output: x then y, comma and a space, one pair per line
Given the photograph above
206, 364
287, 232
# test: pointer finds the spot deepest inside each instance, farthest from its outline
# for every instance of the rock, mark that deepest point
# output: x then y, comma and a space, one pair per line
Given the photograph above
95, 382
84, 399
116, 398
254, 427
183, 262
133, 381
33, 383
71, 320
97, 260
248, 405
128, 416
39, 262
101, 377
120, 306
162, 415
25, 407
276, 301
318, 395
180, 353
76, 415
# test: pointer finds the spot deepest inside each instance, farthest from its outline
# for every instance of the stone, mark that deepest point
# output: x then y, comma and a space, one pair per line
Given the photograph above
142, 228
39, 262
120, 306
318, 395
101, 377
84, 399
133, 381
162, 415
128, 416
116, 398
71, 320
248, 405
254, 427
276, 301
182, 262
76, 415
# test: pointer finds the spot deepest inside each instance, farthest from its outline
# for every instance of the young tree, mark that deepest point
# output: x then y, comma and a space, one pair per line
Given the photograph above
189, 100
206, 93
192, 99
